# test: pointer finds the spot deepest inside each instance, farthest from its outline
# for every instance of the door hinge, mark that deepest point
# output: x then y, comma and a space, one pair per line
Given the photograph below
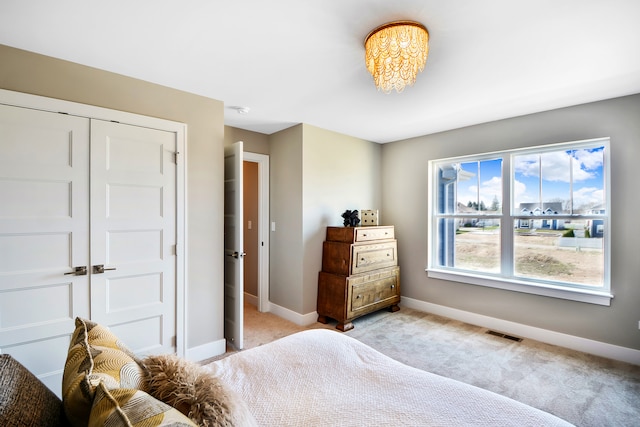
174, 249
175, 157
174, 341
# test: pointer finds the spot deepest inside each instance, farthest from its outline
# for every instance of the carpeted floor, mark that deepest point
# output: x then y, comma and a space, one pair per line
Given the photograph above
583, 389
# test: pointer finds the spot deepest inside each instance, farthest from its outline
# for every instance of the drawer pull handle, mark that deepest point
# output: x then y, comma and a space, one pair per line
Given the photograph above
393, 286
358, 296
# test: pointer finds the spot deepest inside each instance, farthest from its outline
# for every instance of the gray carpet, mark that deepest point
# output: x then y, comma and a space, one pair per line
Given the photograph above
583, 389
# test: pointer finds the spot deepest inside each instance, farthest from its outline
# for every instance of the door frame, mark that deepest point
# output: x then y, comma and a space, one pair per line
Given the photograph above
263, 226
24, 100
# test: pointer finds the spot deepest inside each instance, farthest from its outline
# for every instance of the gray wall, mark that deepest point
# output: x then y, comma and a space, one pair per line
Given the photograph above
27, 72
404, 173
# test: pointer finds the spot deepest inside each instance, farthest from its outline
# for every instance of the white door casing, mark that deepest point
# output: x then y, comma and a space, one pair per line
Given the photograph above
44, 233
233, 246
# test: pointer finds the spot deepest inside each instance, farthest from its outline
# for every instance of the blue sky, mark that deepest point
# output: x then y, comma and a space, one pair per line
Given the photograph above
588, 178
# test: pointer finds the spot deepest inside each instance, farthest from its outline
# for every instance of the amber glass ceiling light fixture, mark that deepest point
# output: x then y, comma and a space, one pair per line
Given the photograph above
395, 53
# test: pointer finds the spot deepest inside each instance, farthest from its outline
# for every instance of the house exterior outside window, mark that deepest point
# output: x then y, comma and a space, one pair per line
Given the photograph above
533, 220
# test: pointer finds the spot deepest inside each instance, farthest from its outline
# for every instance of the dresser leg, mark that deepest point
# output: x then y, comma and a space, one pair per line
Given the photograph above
323, 319
344, 327
394, 308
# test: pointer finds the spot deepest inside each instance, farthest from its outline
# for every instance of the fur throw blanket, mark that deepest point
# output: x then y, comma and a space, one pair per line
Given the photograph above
195, 392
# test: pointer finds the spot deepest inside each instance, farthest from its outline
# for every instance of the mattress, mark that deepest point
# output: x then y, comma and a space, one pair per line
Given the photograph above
321, 377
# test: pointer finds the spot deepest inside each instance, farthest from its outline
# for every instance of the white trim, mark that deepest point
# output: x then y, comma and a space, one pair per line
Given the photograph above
35, 102
507, 279
263, 226
251, 299
610, 351
181, 243
573, 294
206, 351
292, 316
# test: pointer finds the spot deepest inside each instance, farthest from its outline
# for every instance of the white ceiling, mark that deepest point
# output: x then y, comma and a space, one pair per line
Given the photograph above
295, 61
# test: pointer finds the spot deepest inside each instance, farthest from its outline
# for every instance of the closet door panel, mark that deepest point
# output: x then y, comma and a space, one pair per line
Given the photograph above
44, 234
133, 196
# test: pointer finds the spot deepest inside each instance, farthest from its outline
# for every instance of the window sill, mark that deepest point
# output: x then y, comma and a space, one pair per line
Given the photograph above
573, 294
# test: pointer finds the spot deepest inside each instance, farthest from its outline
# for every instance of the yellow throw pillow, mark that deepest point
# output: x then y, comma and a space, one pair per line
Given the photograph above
135, 408
96, 356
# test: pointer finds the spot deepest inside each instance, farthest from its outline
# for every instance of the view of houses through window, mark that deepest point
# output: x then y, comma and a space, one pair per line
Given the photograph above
537, 216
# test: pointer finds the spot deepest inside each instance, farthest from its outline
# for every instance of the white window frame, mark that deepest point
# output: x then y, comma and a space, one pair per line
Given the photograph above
506, 280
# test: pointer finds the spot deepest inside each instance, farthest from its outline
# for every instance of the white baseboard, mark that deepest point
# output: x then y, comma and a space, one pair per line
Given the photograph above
251, 299
206, 351
597, 348
292, 316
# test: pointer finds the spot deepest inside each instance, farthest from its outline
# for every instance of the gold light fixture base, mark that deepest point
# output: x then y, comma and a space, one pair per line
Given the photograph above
395, 53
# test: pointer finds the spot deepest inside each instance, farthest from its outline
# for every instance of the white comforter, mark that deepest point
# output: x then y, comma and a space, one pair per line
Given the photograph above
325, 378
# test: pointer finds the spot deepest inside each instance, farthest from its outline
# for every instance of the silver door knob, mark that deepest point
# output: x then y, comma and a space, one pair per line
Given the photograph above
78, 271
237, 255
99, 269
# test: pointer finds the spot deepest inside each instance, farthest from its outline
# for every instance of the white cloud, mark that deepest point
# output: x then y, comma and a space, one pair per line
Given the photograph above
520, 192
555, 165
588, 196
488, 190
491, 189
527, 165
590, 160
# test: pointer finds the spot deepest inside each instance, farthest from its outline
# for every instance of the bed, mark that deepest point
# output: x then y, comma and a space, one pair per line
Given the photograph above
321, 377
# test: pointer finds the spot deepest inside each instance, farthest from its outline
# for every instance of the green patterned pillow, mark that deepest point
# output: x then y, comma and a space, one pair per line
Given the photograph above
96, 356
129, 407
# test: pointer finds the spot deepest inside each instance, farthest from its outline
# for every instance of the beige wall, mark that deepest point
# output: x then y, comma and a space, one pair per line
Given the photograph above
404, 171
253, 142
315, 175
40, 75
339, 173
286, 246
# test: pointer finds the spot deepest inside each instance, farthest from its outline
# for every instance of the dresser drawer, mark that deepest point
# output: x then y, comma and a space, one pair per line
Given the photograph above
367, 234
360, 234
374, 256
347, 259
371, 292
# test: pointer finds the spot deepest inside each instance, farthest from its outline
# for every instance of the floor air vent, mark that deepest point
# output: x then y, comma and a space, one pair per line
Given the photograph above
501, 335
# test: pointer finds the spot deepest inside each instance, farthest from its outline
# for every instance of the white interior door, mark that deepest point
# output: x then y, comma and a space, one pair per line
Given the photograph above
233, 246
44, 235
133, 234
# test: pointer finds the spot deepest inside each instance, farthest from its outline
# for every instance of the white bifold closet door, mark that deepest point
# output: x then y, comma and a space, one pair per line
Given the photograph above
87, 228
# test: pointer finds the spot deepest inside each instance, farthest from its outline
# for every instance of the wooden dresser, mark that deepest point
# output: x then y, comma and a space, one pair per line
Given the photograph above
360, 273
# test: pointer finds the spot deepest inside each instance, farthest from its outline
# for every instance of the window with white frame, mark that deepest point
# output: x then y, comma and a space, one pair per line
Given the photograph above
533, 220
